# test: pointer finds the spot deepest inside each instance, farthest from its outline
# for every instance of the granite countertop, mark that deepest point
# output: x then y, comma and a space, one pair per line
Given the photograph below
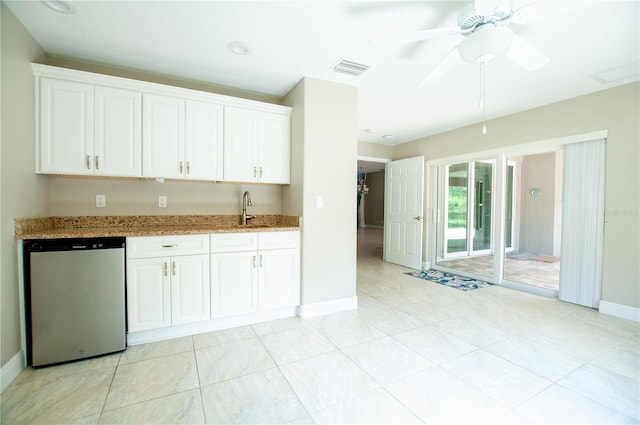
105, 226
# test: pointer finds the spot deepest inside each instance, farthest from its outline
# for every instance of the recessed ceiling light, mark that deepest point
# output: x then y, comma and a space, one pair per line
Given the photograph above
388, 136
60, 6
239, 48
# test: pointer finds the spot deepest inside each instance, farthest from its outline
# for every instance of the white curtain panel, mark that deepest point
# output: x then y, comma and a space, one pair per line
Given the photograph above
583, 222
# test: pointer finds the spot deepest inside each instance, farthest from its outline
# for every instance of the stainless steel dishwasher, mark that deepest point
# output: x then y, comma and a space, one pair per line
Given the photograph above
75, 298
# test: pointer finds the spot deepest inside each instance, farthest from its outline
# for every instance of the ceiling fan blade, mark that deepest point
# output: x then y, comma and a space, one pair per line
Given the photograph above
413, 36
438, 71
526, 55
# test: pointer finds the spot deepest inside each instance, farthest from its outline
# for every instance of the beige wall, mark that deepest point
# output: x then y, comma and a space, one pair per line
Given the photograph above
22, 193
375, 150
77, 196
324, 131
374, 200
537, 213
616, 110
152, 77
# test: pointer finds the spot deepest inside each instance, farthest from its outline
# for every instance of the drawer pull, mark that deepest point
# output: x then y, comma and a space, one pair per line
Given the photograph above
170, 246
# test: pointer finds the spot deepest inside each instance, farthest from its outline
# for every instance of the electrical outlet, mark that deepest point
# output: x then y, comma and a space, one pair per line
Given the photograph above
101, 201
162, 201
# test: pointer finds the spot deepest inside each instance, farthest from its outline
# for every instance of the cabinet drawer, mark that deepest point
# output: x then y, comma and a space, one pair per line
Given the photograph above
234, 242
278, 240
159, 246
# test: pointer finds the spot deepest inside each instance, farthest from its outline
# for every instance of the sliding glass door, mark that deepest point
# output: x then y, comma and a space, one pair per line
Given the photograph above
466, 230
468, 198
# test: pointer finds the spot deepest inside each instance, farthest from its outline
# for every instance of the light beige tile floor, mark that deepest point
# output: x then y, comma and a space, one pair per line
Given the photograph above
413, 352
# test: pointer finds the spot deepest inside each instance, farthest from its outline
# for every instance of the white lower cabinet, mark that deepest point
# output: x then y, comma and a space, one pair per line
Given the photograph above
169, 290
197, 279
254, 272
234, 281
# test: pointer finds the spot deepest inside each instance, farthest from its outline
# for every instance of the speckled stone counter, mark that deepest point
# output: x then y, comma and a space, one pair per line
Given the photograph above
150, 225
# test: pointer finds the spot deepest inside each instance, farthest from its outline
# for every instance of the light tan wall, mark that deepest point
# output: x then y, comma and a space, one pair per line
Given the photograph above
77, 196
135, 74
537, 213
375, 150
22, 193
616, 110
374, 200
328, 134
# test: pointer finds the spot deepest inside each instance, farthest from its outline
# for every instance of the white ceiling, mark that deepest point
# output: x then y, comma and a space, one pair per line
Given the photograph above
289, 40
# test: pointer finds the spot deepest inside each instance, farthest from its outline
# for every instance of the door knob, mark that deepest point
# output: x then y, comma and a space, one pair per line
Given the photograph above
417, 218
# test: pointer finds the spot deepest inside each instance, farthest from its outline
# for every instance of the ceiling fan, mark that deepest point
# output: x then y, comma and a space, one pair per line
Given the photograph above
483, 34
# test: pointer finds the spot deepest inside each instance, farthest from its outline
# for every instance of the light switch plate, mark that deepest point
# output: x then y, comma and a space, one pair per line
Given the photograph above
319, 201
162, 201
101, 201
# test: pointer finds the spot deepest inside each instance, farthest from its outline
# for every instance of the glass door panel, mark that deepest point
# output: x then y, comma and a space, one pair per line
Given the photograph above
483, 176
457, 209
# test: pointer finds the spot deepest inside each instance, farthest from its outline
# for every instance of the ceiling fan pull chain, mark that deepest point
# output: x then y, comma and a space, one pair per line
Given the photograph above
483, 92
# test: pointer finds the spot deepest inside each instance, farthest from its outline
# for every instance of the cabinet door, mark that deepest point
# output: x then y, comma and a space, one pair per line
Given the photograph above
118, 132
278, 279
274, 148
190, 293
66, 127
162, 136
233, 283
148, 294
204, 141
240, 144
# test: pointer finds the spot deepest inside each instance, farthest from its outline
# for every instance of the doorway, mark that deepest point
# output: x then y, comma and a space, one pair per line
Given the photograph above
370, 207
474, 196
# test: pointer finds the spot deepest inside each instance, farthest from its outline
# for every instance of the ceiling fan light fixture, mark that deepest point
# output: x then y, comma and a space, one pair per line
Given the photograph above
486, 43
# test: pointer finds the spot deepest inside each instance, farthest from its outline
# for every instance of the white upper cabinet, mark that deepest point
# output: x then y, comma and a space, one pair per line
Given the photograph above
88, 130
99, 125
203, 144
163, 136
181, 138
117, 132
256, 146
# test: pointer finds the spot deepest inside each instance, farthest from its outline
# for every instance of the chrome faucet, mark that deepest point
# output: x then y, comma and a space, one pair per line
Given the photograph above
246, 202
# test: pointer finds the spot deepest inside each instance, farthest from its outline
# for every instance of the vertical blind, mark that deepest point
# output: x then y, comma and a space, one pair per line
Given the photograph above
583, 222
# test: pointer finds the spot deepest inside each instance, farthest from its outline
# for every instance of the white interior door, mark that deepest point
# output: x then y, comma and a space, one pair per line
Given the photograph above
404, 194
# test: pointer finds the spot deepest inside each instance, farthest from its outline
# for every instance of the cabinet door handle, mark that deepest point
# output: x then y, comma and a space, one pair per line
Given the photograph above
180, 167
255, 172
260, 172
166, 268
173, 268
254, 261
260, 260
88, 162
188, 167
97, 162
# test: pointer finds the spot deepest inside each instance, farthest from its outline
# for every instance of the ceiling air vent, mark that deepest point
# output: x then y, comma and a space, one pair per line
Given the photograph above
350, 68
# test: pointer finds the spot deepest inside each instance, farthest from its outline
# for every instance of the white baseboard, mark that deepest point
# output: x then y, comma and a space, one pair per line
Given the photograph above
135, 338
306, 311
619, 310
426, 265
11, 370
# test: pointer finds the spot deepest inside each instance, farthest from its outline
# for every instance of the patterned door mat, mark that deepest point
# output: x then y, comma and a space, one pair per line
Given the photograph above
448, 279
